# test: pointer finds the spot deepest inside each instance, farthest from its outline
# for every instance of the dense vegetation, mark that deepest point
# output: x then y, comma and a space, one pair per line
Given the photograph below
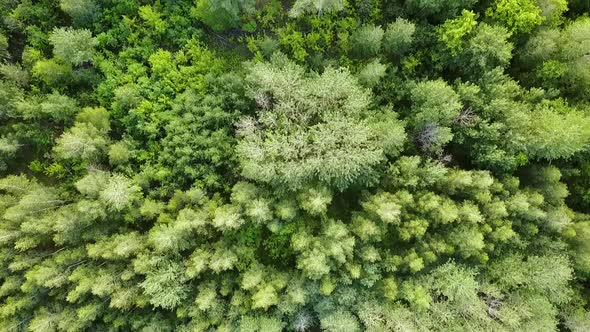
307, 165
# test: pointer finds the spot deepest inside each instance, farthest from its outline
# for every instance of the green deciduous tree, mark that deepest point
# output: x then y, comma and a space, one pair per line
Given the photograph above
340, 321
579, 245
398, 36
551, 135
438, 10
372, 73
3, 48
436, 105
119, 193
301, 7
82, 12
152, 18
73, 46
82, 141
452, 32
489, 48
52, 73
289, 141
552, 10
222, 14
519, 15
365, 42
8, 148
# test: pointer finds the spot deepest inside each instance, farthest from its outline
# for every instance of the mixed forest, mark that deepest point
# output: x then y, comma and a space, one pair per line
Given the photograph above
296, 165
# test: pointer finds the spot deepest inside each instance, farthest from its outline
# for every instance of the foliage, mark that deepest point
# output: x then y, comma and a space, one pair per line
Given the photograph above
82, 12
73, 46
316, 7
436, 106
559, 57
221, 15
452, 31
312, 128
438, 10
518, 15
398, 36
569, 134
366, 41
372, 73
239, 165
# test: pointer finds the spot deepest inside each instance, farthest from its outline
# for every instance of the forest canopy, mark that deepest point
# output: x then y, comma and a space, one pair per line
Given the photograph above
300, 165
